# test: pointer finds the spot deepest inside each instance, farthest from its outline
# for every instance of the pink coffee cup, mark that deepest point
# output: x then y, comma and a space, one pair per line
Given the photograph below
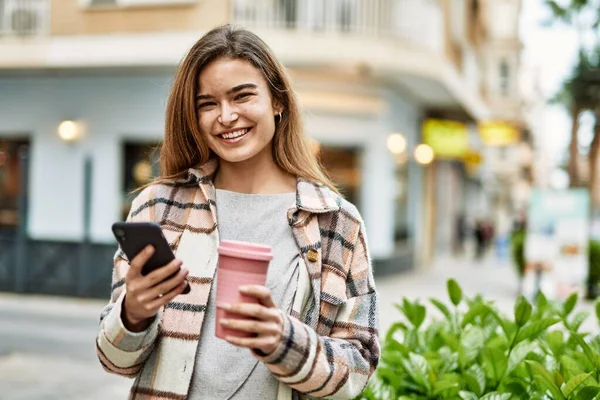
240, 263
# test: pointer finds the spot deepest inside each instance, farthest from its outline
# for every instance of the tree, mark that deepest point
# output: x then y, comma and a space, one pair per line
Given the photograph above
581, 91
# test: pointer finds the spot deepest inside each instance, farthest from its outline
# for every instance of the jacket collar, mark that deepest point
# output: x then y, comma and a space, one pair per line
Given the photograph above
312, 197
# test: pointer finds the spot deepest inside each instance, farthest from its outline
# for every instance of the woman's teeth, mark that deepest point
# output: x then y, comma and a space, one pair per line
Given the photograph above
235, 134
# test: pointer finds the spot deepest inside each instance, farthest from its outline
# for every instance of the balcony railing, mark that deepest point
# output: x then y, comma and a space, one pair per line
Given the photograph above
24, 17
420, 22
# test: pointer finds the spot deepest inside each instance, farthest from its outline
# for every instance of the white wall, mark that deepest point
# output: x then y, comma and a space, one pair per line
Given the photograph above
378, 186
110, 108
369, 134
114, 109
405, 117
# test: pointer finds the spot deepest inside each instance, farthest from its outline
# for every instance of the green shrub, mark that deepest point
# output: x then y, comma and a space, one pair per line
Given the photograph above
517, 250
475, 352
593, 269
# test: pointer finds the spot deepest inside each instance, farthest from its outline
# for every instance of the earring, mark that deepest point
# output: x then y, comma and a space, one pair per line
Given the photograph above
279, 115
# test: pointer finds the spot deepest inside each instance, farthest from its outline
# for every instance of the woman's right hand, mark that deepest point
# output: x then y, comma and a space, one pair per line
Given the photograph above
144, 295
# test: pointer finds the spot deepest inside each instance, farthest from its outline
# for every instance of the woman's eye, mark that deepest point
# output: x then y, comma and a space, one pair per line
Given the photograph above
243, 96
205, 105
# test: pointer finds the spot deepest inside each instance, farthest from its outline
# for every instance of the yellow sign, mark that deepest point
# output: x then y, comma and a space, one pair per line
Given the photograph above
473, 157
448, 139
472, 160
498, 133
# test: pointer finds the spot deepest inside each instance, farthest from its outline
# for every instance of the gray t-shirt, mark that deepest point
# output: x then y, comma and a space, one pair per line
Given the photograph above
224, 371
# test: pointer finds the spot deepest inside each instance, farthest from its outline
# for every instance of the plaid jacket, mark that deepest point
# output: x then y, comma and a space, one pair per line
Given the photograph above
330, 346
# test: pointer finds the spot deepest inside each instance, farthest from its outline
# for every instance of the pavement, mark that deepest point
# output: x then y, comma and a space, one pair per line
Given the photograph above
47, 343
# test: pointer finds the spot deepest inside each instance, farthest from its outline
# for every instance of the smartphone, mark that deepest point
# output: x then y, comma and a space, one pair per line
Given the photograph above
133, 237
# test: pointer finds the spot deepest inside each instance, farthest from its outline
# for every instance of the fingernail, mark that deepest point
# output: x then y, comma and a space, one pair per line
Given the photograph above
225, 306
244, 288
149, 249
224, 321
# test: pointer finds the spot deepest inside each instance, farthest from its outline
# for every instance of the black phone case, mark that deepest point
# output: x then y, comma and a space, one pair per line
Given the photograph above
133, 237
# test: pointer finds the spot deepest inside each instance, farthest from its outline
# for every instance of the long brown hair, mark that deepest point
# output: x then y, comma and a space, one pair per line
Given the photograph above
184, 145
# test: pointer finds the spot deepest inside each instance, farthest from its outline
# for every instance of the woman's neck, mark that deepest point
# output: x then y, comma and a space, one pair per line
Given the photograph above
254, 177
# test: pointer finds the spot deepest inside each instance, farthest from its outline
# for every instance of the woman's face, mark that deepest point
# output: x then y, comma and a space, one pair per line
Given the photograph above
235, 110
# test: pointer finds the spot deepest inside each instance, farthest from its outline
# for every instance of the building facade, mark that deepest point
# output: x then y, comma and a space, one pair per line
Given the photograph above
368, 74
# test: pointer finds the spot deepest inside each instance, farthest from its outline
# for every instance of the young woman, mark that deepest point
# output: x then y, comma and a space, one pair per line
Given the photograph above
236, 165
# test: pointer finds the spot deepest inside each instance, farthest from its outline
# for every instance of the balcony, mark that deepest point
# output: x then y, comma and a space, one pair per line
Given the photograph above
23, 18
402, 41
418, 22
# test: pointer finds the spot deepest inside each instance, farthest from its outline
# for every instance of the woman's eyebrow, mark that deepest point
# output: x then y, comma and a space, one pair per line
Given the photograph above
242, 87
230, 91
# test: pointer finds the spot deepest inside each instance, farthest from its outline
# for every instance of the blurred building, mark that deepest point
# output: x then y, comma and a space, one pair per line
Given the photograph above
83, 86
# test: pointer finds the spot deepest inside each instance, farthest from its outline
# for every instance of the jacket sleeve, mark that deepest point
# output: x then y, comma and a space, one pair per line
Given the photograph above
337, 366
119, 350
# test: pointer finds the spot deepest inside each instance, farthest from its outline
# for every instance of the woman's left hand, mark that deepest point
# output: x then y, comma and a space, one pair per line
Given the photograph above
267, 322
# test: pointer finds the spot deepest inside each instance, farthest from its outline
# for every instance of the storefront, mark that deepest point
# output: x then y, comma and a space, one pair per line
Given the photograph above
83, 179
13, 158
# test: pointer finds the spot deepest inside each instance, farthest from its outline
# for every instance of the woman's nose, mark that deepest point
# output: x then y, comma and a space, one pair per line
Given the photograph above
228, 115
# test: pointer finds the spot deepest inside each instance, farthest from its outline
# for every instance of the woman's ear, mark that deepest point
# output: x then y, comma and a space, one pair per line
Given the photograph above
277, 108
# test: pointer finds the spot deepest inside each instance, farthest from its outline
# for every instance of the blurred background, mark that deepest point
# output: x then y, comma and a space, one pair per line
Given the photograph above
465, 131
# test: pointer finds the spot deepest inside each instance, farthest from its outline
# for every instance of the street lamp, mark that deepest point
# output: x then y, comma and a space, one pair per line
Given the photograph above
69, 131
396, 143
424, 154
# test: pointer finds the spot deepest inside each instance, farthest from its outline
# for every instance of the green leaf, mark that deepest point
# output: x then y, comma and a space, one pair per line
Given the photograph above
515, 387
475, 379
522, 311
570, 367
588, 392
442, 307
570, 303
449, 360
464, 395
518, 354
574, 383
454, 291
475, 311
496, 396
597, 308
450, 340
556, 342
533, 329
503, 323
471, 343
415, 312
393, 357
418, 369
578, 319
545, 380
494, 363
590, 355
541, 302
558, 378
397, 326
443, 385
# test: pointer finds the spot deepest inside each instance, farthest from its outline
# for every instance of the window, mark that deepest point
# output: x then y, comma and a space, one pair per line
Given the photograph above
345, 15
141, 167
133, 3
289, 9
11, 173
504, 78
94, 3
343, 167
401, 223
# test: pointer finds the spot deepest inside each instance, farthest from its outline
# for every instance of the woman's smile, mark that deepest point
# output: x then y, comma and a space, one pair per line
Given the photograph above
234, 136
